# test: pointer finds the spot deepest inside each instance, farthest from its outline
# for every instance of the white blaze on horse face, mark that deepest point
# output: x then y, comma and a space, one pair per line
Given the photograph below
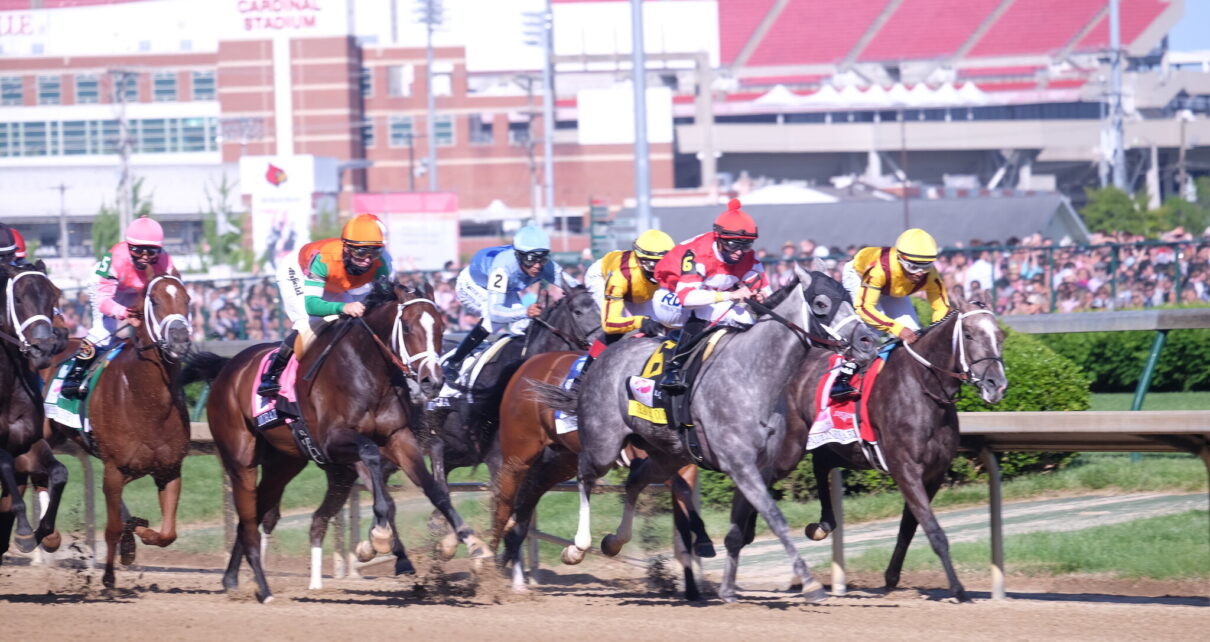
170, 290
317, 560
427, 322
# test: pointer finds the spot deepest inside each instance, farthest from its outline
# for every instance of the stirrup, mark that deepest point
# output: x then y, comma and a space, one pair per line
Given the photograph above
846, 393
268, 389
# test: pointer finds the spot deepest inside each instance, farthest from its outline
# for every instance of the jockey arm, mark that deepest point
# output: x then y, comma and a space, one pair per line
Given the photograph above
111, 273
867, 304
613, 318
938, 299
317, 276
505, 281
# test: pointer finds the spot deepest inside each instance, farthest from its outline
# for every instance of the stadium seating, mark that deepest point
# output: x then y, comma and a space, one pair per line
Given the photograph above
922, 29
1036, 27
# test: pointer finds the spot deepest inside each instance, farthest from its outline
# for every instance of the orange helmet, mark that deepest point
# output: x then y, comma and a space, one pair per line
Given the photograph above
734, 223
364, 229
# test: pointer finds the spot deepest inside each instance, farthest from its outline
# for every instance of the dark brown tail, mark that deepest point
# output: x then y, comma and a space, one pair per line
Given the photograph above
552, 396
203, 366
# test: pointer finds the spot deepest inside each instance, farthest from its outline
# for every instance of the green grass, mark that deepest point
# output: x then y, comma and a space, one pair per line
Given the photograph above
1170, 547
1199, 400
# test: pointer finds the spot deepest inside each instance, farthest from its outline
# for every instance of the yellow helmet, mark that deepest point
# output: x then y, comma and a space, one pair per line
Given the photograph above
652, 245
917, 246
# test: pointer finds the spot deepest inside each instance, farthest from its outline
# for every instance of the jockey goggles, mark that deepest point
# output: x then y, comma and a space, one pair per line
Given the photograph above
648, 265
536, 257
915, 267
149, 251
364, 251
736, 245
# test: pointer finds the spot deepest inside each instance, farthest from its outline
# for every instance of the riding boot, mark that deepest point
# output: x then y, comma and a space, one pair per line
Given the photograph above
453, 365
674, 378
74, 381
842, 390
269, 386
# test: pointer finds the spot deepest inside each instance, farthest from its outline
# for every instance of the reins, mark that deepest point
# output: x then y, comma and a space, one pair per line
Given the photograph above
966, 374
806, 337
570, 340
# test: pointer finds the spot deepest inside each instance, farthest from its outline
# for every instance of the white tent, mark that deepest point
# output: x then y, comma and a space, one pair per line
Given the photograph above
972, 94
827, 96
779, 95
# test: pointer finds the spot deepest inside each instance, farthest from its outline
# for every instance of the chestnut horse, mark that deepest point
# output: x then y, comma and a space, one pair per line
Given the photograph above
139, 422
360, 401
28, 342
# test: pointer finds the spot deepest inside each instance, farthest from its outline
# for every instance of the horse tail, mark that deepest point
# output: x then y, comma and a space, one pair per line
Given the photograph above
203, 366
553, 396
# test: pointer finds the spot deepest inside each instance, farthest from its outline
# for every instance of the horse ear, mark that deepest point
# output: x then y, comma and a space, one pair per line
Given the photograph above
804, 277
428, 290
957, 297
40, 266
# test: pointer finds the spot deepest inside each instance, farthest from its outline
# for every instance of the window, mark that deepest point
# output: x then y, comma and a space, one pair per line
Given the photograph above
88, 89
443, 130
203, 85
75, 137
518, 133
400, 130
50, 90
164, 87
34, 139
367, 133
443, 79
12, 90
481, 129
193, 135
399, 80
109, 136
151, 138
128, 85
96, 137
367, 82
4, 146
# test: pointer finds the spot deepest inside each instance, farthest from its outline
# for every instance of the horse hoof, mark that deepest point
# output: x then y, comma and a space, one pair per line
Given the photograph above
267, 599
52, 542
572, 555
814, 593
447, 547
25, 542
381, 539
817, 532
611, 545
728, 598
403, 566
961, 596
477, 549
365, 551
107, 580
703, 548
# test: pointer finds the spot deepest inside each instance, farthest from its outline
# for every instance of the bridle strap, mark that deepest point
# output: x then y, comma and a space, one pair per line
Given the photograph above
18, 325
397, 335
158, 327
387, 352
570, 340
958, 346
805, 336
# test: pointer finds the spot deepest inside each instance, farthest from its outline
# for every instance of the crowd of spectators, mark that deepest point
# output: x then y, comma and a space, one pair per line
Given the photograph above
1022, 276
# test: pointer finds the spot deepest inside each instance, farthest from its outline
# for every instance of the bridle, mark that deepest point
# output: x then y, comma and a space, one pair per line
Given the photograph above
572, 341
966, 373
811, 339
157, 327
17, 324
400, 347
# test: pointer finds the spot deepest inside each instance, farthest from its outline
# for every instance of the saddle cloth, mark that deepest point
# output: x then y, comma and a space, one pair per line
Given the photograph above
646, 400
74, 412
566, 422
843, 422
265, 409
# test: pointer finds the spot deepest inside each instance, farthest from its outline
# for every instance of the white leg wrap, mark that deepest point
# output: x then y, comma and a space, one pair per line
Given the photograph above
583, 535
317, 562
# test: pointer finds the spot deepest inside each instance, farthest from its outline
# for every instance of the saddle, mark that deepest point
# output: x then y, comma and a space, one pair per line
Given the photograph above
73, 413
283, 408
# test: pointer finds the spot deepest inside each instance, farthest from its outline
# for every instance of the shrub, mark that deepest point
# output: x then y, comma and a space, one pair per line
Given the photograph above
1114, 360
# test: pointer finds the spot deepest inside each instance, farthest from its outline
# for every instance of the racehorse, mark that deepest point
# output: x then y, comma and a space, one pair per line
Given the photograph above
736, 403
536, 456
137, 411
914, 418
29, 343
360, 399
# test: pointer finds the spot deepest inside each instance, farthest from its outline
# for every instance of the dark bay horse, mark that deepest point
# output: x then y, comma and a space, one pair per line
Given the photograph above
361, 403
536, 456
737, 403
914, 418
28, 342
137, 410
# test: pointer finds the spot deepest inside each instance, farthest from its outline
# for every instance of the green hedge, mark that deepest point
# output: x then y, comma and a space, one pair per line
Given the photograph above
1114, 360
1038, 379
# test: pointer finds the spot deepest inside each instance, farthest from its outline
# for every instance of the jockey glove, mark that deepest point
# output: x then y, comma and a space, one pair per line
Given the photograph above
651, 328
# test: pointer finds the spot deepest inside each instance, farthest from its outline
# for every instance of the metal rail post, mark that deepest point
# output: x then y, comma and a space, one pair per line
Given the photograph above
198, 408
1140, 392
90, 506
836, 482
995, 507
531, 544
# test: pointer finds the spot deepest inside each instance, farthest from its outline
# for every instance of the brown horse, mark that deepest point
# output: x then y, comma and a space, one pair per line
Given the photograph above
360, 402
535, 457
29, 342
137, 410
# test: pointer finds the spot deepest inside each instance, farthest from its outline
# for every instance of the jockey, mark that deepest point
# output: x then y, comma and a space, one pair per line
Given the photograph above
331, 276
491, 287
12, 246
706, 280
119, 278
20, 257
623, 283
881, 281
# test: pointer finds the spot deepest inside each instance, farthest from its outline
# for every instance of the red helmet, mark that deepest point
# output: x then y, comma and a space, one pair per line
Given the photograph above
20, 242
734, 223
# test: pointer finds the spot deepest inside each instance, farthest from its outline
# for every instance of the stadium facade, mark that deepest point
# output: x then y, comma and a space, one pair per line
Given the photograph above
999, 95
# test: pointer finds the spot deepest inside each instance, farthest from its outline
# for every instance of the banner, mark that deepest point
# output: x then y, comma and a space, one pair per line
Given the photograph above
422, 228
281, 188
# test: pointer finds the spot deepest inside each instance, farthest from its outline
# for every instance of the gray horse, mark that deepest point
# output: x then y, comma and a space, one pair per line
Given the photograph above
737, 404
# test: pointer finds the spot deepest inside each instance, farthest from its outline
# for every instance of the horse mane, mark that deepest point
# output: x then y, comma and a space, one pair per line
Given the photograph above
780, 295
925, 330
382, 292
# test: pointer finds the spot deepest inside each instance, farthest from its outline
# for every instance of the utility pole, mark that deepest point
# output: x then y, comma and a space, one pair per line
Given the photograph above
63, 244
539, 30
903, 167
431, 15
121, 79
1116, 133
1182, 179
642, 163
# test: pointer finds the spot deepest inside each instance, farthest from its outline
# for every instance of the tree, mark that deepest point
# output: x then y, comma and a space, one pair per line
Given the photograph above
223, 229
106, 226
1110, 209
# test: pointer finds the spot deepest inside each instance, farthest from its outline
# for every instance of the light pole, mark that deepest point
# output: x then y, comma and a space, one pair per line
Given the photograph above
63, 244
431, 14
642, 164
539, 31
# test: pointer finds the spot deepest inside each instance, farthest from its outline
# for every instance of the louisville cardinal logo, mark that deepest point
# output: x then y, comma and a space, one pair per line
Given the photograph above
275, 175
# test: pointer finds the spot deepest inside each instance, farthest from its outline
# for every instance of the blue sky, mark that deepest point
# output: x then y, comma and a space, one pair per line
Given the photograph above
1193, 31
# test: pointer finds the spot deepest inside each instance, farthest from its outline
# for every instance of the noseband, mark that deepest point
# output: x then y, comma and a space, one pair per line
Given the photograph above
19, 325
156, 327
966, 374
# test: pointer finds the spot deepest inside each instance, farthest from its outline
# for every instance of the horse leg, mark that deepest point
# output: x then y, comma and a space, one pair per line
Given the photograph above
247, 538
741, 533
403, 565
8, 482
448, 545
369, 455
917, 498
681, 486
169, 495
112, 482
403, 450
521, 459
643, 472
750, 482
340, 482
822, 463
553, 468
55, 481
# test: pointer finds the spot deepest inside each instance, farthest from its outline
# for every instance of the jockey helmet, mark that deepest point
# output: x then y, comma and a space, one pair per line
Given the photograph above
363, 229
652, 244
20, 242
531, 239
734, 223
917, 250
144, 231
8, 241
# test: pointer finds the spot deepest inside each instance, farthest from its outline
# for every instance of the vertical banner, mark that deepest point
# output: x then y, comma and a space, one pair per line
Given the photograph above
281, 188
422, 228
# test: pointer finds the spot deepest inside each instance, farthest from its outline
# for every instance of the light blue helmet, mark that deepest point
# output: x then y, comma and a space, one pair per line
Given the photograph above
531, 239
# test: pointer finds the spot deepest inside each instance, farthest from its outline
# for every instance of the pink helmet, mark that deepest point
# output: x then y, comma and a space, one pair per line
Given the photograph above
144, 231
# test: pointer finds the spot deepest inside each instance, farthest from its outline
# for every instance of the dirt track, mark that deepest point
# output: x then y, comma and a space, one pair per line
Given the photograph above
573, 603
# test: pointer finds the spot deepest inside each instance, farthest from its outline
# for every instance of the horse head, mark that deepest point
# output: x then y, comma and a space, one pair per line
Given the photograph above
574, 320
165, 313
417, 328
29, 302
828, 310
979, 342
